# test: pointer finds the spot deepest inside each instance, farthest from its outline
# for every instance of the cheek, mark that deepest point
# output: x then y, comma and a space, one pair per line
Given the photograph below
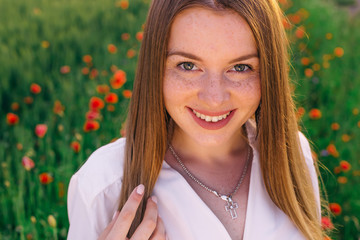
248, 88
176, 81
176, 90
176, 86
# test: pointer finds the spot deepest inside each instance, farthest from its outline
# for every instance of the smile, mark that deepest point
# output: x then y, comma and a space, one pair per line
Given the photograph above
211, 118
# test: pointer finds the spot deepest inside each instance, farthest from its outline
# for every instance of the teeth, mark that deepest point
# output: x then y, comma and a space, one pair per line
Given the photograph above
210, 118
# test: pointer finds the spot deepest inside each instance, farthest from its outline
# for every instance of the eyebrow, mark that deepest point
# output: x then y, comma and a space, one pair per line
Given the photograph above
194, 57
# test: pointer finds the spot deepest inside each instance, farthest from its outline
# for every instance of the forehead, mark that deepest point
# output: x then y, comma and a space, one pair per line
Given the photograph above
200, 29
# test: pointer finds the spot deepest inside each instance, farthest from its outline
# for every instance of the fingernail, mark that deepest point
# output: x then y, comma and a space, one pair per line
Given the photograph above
140, 189
154, 199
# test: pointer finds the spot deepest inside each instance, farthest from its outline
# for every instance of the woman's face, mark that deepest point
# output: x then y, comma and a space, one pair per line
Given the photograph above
212, 77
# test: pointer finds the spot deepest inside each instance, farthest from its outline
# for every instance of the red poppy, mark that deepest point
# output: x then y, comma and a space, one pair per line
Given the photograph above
15, 106
65, 69
12, 118
103, 89
58, 108
118, 80
111, 98
93, 73
287, 25
19, 146
339, 52
300, 112
294, 18
111, 108
28, 100
40, 130
309, 72
332, 150
92, 115
139, 36
75, 145
335, 208
87, 59
305, 61
337, 170
112, 48
45, 178
300, 32
91, 125
326, 223
316, 67
113, 68
85, 70
345, 165
345, 138
342, 180
315, 113
35, 88
127, 93
28, 163
131, 53
125, 36
124, 4
96, 104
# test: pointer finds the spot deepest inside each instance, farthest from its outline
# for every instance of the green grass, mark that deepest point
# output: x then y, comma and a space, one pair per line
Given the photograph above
77, 28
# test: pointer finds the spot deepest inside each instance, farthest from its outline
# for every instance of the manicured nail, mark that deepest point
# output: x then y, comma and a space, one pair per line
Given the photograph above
140, 189
154, 199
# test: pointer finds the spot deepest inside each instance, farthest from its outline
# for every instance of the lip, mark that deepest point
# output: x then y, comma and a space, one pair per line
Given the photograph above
212, 125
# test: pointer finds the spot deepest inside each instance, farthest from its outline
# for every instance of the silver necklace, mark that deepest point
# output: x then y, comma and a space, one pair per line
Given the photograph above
230, 206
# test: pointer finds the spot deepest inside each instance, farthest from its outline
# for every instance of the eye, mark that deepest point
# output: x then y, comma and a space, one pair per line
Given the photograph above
241, 68
187, 66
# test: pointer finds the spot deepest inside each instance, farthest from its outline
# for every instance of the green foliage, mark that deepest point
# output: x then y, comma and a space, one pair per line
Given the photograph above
39, 37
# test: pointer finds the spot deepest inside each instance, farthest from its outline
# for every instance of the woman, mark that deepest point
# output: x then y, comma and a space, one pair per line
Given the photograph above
212, 148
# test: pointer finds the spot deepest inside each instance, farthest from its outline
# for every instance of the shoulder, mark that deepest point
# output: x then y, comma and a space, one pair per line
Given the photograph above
94, 191
312, 167
102, 169
306, 150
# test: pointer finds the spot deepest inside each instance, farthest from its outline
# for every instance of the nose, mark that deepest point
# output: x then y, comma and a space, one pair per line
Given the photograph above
213, 91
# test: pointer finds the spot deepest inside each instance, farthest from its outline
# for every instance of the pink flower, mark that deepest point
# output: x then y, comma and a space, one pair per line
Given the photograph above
40, 130
28, 163
65, 69
326, 223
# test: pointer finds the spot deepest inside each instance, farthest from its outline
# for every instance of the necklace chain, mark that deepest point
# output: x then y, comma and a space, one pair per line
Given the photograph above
224, 197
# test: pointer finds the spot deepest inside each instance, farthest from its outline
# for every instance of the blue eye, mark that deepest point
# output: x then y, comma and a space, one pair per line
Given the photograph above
187, 66
241, 67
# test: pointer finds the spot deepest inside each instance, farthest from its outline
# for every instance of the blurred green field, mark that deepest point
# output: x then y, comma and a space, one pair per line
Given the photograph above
57, 56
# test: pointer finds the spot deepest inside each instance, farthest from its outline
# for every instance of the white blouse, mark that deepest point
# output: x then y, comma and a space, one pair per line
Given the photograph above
94, 191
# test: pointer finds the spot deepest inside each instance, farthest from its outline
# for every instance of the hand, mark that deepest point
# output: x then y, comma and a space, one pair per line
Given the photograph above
151, 227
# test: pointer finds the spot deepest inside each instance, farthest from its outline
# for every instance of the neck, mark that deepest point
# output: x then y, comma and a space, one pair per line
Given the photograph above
217, 157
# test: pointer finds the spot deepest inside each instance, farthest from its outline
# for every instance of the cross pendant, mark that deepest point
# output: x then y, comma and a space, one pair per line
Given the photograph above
231, 207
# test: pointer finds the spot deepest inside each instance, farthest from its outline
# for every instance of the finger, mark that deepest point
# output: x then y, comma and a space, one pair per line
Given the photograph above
159, 232
126, 216
148, 224
109, 227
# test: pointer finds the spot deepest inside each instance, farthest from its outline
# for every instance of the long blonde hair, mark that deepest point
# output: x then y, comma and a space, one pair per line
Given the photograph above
283, 166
